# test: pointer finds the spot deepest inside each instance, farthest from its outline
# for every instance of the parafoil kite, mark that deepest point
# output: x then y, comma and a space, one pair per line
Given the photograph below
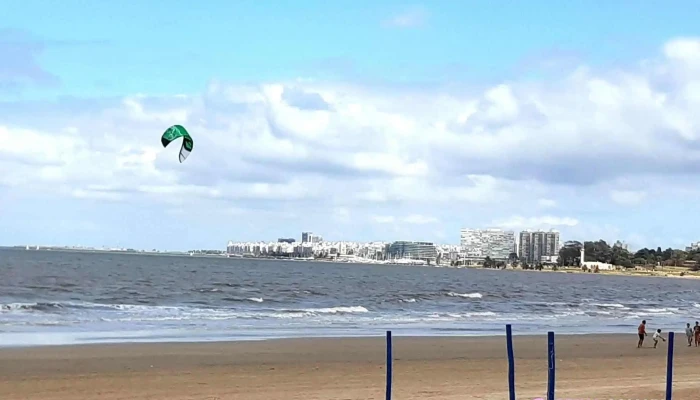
178, 131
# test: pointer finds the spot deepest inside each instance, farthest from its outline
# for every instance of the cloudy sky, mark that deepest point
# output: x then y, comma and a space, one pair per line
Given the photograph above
357, 120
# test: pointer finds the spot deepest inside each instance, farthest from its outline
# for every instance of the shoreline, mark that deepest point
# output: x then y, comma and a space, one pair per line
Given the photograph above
663, 272
248, 339
380, 336
28, 340
455, 368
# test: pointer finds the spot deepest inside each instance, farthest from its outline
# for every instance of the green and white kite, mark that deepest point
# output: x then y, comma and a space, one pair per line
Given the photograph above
175, 132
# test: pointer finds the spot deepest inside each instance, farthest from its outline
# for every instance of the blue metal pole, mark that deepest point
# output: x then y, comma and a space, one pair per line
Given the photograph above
669, 367
389, 362
552, 368
511, 362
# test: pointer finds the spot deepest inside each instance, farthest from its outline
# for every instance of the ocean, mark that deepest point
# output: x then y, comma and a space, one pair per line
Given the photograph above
61, 297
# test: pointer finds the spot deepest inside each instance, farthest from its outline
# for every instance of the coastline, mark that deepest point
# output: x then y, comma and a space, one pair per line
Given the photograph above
346, 368
661, 272
664, 272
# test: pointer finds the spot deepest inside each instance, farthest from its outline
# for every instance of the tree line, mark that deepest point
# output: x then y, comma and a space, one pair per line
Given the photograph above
601, 251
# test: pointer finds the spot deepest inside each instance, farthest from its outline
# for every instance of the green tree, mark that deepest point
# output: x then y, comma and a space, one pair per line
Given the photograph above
570, 253
621, 257
512, 257
598, 251
667, 254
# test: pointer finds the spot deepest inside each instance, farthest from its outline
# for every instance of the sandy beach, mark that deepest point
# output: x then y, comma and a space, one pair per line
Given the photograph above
588, 366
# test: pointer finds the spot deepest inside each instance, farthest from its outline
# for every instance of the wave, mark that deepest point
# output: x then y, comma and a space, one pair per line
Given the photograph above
405, 308
53, 307
663, 310
244, 299
609, 305
86, 312
331, 310
466, 295
48, 306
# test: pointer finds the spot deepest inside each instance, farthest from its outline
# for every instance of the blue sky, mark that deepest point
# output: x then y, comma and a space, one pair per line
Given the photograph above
359, 120
172, 47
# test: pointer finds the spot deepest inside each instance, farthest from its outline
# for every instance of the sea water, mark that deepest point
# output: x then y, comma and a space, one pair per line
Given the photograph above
60, 297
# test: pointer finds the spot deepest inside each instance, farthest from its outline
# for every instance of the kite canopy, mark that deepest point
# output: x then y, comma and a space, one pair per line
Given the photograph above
175, 132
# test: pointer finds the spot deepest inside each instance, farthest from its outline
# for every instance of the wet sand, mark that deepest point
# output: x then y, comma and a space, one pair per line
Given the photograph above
588, 366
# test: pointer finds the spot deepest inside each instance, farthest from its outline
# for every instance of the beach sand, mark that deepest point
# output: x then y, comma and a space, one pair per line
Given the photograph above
588, 366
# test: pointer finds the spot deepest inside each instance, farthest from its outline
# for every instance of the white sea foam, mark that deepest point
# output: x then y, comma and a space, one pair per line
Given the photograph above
609, 305
466, 295
337, 310
663, 310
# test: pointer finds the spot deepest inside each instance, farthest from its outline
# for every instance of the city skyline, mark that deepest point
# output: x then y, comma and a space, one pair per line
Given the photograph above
528, 245
381, 122
511, 242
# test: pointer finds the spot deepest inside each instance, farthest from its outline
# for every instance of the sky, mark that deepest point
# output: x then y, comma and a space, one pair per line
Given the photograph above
356, 120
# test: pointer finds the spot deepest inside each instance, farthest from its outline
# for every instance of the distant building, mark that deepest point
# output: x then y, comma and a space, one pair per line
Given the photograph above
412, 250
539, 246
496, 244
525, 246
286, 240
592, 265
306, 237
309, 237
303, 251
693, 247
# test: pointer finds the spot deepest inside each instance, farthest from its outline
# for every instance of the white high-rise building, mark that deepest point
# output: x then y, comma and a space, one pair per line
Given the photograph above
309, 237
538, 246
496, 244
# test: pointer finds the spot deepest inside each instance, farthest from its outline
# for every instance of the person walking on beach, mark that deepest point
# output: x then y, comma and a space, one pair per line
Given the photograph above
642, 331
689, 334
697, 333
657, 336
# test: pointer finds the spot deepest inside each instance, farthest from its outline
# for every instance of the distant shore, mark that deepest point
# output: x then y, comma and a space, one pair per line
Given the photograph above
588, 366
660, 272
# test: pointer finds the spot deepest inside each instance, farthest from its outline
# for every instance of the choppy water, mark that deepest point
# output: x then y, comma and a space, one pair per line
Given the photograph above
50, 297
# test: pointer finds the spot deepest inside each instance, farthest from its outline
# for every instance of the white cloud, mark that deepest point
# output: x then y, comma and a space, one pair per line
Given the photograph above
383, 219
410, 18
627, 197
419, 219
342, 215
337, 152
546, 221
413, 219
547, 203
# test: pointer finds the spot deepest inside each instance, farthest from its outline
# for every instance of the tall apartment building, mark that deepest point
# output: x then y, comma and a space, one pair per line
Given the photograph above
309, 237
538, 244
496, 244
525, 246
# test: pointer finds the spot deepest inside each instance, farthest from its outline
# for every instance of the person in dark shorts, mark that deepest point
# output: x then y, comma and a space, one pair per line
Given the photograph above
689, 334
642, 332
697, 333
